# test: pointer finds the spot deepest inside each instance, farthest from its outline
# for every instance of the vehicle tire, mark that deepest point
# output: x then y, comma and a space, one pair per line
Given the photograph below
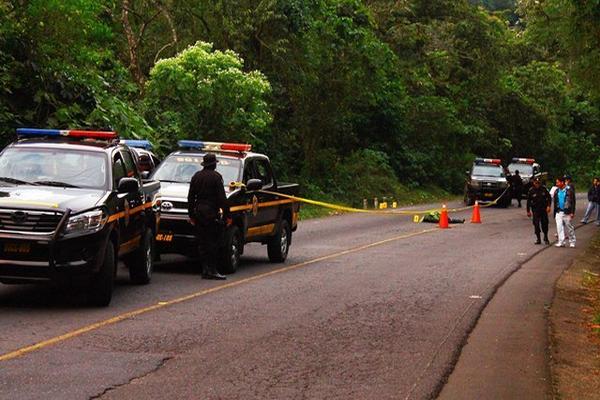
279, 245
231, 251
141, 261
101, 286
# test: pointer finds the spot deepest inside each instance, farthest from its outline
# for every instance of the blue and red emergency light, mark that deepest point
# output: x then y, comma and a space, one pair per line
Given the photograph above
524, 160
138, 143
35, 132
495, 161
213, 146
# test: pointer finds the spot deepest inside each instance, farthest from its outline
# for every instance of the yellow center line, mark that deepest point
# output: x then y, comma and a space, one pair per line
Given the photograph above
128, 315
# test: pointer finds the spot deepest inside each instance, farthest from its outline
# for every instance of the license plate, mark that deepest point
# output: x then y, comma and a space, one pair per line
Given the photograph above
19, 248
488, 195
164, 237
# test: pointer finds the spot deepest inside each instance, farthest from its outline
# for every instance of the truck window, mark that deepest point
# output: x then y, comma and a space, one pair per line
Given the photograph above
181, 167
85, 169
248, 171
130, 168
263, 172
118, 169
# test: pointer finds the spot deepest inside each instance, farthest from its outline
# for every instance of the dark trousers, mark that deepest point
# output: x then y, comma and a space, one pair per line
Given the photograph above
517, 192
540, 222
208, 238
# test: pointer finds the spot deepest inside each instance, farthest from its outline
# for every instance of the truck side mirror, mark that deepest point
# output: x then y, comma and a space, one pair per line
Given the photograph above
253, 185
128, 185
145, 175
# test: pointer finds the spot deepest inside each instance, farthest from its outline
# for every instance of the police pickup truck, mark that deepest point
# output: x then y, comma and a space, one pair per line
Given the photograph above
486, 182
71, 204
256, 216
528, 169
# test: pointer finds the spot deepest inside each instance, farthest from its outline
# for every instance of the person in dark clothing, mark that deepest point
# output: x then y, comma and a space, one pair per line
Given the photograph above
569, 182
593, 202
538, 205
516, 183
206, 202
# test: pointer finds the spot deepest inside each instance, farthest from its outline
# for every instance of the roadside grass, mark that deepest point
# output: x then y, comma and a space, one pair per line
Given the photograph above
404, 197
574, 327
591, 281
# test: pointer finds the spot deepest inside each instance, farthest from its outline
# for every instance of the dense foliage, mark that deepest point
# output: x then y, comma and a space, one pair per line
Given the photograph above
340, 93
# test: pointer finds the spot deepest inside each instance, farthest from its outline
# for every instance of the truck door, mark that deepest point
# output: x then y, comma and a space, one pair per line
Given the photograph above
136, 200
126, 202
263, 215
270, 205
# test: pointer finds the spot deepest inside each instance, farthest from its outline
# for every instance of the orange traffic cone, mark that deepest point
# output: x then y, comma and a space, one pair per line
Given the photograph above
444, 218
476, 219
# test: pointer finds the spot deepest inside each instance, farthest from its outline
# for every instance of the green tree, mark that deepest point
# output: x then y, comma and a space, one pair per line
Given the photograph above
55, 73
203, 93
570, 30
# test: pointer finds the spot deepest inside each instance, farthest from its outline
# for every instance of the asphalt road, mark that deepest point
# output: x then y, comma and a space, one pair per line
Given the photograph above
366, 307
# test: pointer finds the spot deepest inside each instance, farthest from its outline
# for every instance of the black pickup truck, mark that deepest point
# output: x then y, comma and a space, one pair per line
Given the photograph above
71, 204
486, 182
256, 216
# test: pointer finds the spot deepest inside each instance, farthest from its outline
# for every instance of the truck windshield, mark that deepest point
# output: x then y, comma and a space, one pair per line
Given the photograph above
488, 170
53, 167
524, 169
181, 168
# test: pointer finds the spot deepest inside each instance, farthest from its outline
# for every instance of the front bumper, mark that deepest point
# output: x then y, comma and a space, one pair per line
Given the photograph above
29, 259
486, 194
176, 235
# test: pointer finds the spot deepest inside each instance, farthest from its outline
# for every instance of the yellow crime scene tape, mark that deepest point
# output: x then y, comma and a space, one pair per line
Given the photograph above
339, 207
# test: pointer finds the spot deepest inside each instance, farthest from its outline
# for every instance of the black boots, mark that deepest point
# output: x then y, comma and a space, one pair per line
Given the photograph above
538, 240
546, 241
212, 273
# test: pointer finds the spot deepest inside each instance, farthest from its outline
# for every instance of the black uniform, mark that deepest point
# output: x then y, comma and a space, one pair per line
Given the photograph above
205, 200
517, 187
538, 200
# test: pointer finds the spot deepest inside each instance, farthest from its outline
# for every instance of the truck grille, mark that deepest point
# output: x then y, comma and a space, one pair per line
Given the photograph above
490, 185
29, 221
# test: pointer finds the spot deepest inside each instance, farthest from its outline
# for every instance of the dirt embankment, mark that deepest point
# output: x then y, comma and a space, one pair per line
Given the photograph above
575, 328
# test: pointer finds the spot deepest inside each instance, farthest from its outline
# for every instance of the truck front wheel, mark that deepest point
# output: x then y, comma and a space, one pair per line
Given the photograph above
101, 286
141, 261
231, 251
279, 245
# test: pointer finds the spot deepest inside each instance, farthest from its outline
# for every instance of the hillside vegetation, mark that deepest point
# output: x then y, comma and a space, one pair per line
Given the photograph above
352, 98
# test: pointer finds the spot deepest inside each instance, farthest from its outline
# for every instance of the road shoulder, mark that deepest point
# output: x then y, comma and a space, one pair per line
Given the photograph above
507, 354
574, 335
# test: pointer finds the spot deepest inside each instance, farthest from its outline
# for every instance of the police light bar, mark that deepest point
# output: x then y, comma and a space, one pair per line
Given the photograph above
524, 160
35, 132
140, 144
495, 161
190, 144
214, 146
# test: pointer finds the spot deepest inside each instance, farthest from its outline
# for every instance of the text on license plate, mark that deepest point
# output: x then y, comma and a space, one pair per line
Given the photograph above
21, 248
164, 237
488, 194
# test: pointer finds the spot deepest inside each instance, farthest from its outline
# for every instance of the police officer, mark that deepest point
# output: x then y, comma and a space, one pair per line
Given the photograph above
205, 200
517, 186
538, 203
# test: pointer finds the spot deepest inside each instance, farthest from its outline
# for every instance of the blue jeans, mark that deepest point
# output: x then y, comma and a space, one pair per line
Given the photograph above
592, 205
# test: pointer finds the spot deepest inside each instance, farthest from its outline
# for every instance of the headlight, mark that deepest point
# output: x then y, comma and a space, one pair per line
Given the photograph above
88, 222
475, 184
503, 184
